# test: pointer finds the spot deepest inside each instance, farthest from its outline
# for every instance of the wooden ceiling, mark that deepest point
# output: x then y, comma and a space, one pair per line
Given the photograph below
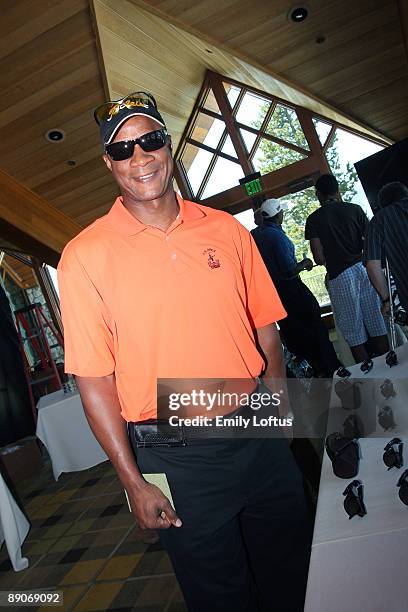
23, 275
54, 71
361, 68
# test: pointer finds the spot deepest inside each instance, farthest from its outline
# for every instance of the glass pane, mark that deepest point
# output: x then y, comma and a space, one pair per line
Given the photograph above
53, 273
225, 174
322, 129
344, 150
285, 125
229, 148
248, 138
211, 103
270, 156
252, 110
208, 130
195, 162
246, 218
232, 93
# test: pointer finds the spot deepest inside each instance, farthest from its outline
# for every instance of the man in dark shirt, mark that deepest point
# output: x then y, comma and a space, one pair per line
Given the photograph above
387, 236
336, 233
303, 330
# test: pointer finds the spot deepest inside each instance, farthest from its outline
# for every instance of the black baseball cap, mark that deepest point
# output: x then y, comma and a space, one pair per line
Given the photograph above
112, 115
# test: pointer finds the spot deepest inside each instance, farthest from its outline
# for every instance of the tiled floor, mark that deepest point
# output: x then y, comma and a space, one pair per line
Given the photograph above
84, 541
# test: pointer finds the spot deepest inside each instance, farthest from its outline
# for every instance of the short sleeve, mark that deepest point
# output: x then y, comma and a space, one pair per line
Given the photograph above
88, 340
263, 302
373, 243
311, 230
364, 223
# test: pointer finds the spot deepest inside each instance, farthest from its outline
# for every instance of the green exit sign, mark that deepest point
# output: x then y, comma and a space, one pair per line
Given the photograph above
252, 184
253, 187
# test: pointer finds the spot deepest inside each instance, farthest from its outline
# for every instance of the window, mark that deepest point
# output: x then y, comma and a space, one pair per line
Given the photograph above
285, 125
322, 129
271, 156
344, 150
208, 130
252, 110
232, 93
195, 162
224, 175
271, 135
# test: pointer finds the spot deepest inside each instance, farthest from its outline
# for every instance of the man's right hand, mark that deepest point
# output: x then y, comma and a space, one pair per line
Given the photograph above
152, 509
307, 264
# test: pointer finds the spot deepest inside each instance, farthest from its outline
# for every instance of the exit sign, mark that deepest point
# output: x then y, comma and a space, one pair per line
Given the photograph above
252, 184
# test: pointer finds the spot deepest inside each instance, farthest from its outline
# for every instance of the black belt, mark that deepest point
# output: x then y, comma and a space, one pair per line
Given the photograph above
159, 433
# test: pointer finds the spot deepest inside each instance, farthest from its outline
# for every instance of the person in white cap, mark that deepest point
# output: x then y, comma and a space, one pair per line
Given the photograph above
303, 331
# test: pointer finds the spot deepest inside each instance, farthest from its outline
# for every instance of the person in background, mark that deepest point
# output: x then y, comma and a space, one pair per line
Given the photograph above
303, 330
387, 237
336, 233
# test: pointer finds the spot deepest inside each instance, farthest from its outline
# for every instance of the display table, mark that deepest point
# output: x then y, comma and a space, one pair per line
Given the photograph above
14, 527
64, 430
361, 564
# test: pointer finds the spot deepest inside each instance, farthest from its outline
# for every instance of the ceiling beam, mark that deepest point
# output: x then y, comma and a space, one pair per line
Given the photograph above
26, 217
403, 12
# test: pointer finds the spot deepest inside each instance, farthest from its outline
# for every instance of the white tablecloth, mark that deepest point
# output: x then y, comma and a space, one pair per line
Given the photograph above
360, 565
13, 527
64, 430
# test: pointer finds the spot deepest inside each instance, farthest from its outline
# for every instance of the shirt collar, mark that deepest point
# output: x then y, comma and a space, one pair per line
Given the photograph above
125, 223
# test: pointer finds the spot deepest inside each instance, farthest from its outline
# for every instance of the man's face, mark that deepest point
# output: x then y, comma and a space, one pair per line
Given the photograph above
144, 176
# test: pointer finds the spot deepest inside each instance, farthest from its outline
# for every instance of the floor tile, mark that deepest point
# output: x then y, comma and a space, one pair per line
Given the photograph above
99, 597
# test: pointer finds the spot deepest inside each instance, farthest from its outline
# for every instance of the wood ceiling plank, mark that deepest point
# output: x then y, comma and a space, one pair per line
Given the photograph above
122, 35
290, 53
337, 65
38, 79
65, 180
356, 30
101, 196
50, 154
52, 45
70, 201
39, 101
24, 137
27, 211
89, 170
102, 199
95, 213
39, 16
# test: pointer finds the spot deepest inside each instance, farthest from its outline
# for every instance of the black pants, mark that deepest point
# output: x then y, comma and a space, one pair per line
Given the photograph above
303, 330
245, 541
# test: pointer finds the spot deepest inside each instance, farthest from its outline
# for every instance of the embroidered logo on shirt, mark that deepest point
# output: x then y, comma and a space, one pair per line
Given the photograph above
211, 260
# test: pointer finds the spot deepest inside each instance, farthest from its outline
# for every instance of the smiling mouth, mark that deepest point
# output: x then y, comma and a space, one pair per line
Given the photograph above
145, 177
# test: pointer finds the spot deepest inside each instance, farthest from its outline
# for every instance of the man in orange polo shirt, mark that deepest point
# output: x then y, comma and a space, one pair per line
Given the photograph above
164, 288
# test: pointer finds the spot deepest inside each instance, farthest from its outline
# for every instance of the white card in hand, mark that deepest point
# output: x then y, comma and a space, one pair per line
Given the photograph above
160, 480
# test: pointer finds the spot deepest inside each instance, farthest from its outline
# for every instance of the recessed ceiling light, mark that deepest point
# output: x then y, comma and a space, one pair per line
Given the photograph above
54, 135
297, 14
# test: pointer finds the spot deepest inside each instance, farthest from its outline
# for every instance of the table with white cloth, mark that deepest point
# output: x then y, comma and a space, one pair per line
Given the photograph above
14, 527
360, 564
65, 432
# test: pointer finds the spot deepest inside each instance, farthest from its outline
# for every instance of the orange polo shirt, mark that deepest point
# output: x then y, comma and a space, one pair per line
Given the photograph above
147, 304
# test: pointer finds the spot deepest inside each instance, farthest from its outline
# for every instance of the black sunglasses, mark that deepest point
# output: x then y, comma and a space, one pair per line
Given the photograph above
152, 141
